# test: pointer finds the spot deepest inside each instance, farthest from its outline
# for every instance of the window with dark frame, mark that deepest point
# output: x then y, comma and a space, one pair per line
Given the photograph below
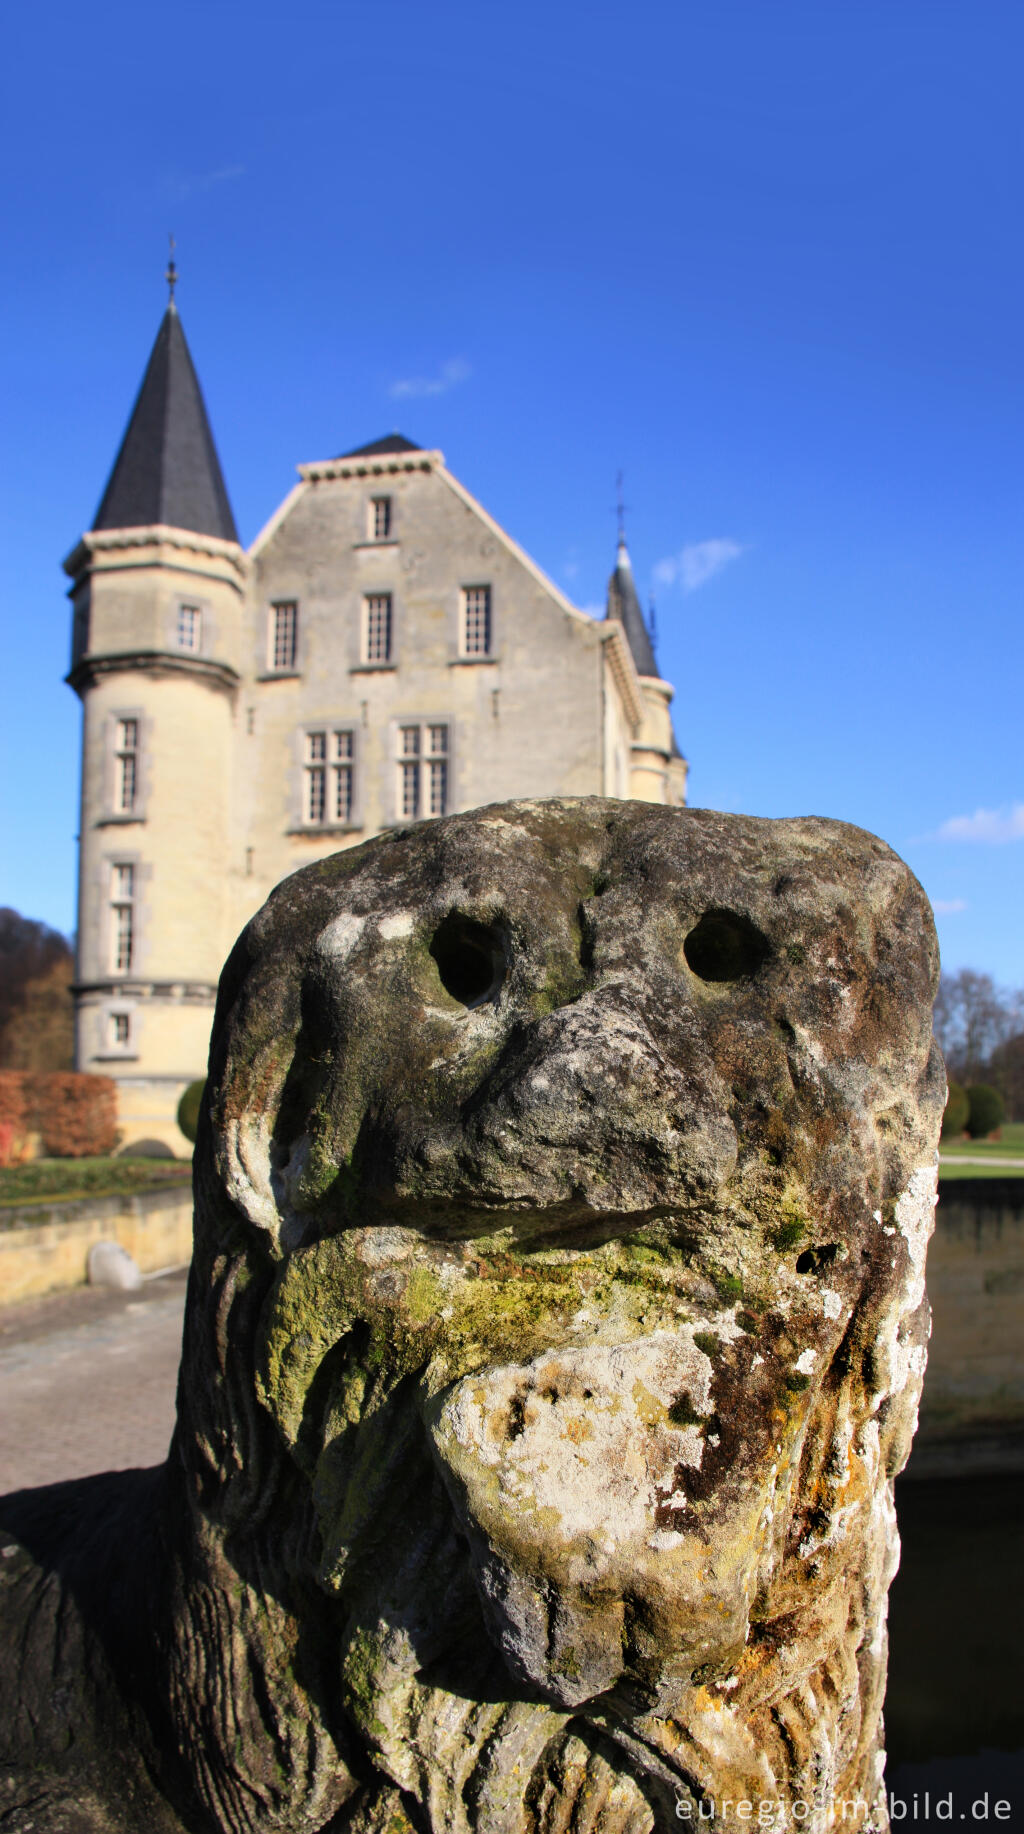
126, 763
380, 518
284, 628
122, 913
476, 620
422, 770
328, 797
189, 627
120, 1030
377, 627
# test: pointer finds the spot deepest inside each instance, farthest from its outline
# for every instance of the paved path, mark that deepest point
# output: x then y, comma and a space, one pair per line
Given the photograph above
978, 1159
87, 1381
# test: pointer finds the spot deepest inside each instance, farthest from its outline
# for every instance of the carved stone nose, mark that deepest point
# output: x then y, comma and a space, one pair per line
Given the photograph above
593, 1092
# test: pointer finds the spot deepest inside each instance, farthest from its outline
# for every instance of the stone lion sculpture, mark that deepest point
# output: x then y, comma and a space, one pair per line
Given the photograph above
555, 1329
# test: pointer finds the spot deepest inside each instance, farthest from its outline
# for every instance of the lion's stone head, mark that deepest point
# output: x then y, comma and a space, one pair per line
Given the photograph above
558, 1314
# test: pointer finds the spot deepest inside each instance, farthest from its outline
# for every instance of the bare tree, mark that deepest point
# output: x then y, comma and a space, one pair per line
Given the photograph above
35, 1003
973, 1017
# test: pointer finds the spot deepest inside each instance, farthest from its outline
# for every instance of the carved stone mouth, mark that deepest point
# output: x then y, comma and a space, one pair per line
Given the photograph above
568, 1477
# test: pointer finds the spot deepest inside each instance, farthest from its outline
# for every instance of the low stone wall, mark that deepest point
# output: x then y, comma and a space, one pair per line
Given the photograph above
45, 1246
972, 1408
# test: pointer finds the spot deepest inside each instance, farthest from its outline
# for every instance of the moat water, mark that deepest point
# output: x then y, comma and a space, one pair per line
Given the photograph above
954, 1708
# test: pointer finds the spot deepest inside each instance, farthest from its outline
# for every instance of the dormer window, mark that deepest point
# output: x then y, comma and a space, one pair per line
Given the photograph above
189, 627
380, 518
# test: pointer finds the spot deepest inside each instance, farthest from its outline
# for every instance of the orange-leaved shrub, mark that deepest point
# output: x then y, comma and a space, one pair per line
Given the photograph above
75, 1115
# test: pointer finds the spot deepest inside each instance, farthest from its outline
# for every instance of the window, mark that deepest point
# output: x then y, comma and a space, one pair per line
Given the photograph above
120, 1031
377, 627
126, 766
343, 773
316, 776
122, 916
380, 518
284, 629
329, 778
476, 620
422, 771
189, 627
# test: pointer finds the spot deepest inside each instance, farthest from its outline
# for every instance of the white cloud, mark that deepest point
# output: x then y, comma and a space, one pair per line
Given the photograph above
992, 826
948, 907
177, 185
698, 562
451, 373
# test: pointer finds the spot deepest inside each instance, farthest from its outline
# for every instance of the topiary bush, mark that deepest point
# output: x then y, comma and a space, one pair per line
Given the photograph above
986, 1110
958, 1108
188, 1110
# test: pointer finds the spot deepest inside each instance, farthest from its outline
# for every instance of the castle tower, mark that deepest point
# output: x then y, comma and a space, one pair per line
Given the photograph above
158, 591
657, 767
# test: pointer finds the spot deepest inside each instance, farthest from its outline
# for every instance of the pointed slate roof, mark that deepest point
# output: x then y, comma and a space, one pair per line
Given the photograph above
167, 469
624, 605
392, 442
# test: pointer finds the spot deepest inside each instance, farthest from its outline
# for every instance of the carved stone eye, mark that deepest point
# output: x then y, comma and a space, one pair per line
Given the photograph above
724, 946
470, 959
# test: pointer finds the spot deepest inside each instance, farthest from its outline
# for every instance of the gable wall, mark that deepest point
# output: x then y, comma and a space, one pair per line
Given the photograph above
531, 721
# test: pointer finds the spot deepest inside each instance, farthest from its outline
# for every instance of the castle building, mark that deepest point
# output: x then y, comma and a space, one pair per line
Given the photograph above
383, 653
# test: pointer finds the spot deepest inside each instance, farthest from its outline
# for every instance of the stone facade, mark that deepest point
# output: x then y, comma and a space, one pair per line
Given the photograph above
384, 652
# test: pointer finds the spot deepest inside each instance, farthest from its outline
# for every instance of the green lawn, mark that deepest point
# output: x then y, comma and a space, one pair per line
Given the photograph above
979, 1168
981, 1153
43, 1180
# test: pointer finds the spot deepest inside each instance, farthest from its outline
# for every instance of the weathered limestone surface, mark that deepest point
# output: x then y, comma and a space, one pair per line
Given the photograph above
556, 1327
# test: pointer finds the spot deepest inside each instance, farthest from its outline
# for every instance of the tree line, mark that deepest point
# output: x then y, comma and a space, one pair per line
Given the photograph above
36, 972
980, 1029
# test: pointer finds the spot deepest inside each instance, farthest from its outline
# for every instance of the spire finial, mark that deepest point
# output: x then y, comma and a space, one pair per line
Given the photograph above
620, 509
171, 276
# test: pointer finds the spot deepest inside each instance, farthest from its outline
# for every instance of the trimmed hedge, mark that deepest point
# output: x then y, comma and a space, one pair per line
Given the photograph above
75, 1115
987, 1110
958, 1108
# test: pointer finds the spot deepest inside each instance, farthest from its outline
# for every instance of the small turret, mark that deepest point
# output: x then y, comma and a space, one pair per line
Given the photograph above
158, 588
657, 767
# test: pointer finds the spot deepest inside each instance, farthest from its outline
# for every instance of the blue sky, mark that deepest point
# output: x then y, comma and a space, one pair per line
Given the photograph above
767, 261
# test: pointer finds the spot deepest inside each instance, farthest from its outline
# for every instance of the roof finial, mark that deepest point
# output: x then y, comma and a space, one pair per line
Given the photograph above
622, 558
171, 276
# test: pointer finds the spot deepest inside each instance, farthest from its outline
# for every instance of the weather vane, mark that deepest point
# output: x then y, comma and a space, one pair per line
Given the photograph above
620, 507
171, 275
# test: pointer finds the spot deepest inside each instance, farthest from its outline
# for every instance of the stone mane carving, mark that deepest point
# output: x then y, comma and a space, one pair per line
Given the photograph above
555, 1329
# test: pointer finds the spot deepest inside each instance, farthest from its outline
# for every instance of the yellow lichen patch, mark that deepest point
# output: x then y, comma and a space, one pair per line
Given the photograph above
650, 1410
577, 1430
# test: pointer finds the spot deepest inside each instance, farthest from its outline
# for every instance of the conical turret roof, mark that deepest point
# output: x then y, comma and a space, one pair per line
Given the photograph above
624, 605
167, 470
